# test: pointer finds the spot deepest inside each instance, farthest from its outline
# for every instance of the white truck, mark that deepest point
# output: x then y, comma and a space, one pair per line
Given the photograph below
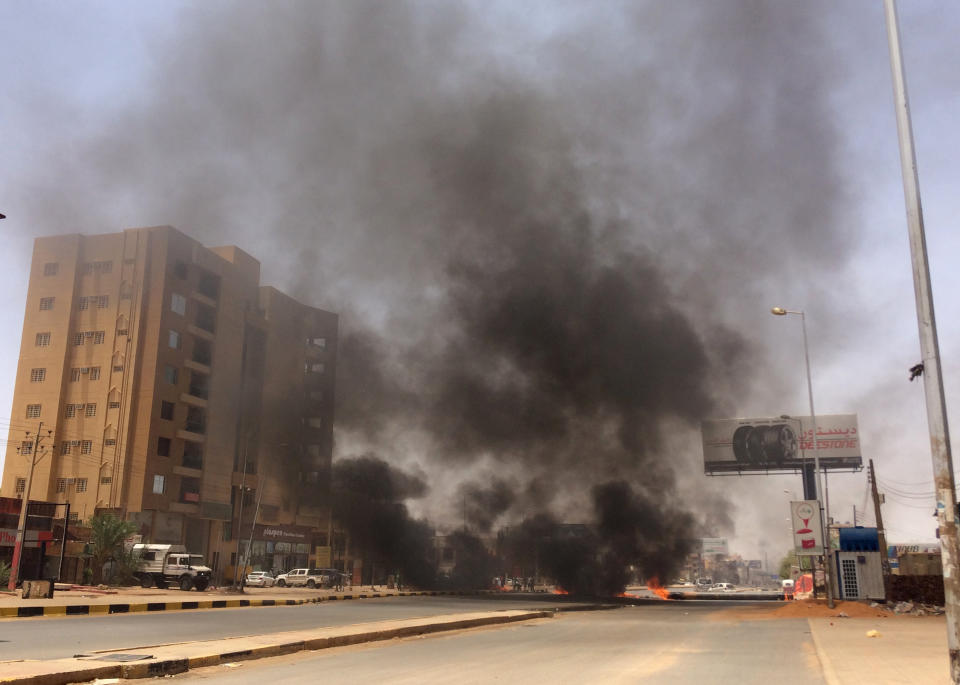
163, 564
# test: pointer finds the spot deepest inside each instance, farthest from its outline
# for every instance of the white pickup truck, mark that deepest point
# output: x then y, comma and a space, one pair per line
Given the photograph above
163, 564
305, 577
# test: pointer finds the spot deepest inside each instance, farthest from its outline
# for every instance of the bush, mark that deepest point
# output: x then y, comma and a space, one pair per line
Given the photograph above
4, 573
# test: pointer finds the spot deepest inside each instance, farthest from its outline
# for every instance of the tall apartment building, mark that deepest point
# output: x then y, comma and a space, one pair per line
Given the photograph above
172, 388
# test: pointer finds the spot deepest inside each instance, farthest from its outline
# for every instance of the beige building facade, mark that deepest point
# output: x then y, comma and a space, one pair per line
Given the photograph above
170, 387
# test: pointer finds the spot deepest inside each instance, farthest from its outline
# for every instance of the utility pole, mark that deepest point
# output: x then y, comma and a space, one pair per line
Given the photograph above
884, 559
243, 486
24, 505
253, 526
929, 348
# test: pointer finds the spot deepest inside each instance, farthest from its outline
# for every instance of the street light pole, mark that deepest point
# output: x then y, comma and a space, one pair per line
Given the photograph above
929, 349
828, 575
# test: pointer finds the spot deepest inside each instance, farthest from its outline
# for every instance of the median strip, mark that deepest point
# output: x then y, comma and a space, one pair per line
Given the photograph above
61, 610
168, 660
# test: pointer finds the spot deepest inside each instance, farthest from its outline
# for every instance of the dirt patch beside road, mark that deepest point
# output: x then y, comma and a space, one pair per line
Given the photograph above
808, 608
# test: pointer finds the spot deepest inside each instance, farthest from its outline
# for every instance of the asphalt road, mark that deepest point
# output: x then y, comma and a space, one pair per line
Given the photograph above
53, 638
673, 643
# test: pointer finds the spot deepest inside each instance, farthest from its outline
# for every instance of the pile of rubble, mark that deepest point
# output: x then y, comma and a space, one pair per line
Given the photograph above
911, 608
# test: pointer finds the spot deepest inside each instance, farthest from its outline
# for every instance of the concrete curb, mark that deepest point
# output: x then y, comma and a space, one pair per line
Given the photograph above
61, 610
829, 674
63, 671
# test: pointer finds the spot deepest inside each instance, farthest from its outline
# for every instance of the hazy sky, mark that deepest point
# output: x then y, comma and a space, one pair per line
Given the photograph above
757, 158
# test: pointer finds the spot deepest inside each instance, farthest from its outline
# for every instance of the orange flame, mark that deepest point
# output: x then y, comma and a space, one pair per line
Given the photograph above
656, 588
560, 591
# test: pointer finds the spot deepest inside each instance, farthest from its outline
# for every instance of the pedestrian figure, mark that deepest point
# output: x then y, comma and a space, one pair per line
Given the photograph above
399, 582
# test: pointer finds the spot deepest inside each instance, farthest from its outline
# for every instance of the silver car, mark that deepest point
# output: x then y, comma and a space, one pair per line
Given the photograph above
260, 579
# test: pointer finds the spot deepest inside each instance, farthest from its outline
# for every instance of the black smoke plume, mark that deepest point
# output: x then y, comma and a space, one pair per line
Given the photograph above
549, 235
368, 500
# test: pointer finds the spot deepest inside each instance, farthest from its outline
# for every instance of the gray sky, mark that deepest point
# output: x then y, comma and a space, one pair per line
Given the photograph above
757, 158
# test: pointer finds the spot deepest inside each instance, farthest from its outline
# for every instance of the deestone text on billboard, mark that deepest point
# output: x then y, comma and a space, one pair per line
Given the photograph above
780, 444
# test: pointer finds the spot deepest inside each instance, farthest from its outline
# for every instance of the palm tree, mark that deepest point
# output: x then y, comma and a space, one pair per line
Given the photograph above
107, 536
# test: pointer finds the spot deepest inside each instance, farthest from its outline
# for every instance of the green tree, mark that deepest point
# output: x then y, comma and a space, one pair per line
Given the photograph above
4, 572
787, 564
107, 536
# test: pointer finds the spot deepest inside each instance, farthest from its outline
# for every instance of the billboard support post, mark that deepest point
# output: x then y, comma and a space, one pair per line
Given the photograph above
929, 349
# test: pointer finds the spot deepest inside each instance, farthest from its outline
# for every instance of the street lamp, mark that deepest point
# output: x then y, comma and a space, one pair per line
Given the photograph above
780, 311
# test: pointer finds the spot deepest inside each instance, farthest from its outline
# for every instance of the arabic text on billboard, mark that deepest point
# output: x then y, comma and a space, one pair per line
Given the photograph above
780, 444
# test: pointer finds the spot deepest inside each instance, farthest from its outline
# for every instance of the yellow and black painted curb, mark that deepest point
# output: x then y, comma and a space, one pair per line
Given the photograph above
60, 611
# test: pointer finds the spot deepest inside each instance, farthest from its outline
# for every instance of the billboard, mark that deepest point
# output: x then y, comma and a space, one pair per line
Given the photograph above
780, 444
714, 546
807, 527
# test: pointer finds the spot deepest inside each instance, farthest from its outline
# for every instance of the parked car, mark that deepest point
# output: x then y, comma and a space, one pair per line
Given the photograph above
724, 587
303, 577
260, 579
161, 565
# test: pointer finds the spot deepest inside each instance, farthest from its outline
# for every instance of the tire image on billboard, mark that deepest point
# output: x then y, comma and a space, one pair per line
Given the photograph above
764, 444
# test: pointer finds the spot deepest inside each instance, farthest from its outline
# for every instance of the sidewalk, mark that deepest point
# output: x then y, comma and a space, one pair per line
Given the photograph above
909, 650
86, 601
171, 659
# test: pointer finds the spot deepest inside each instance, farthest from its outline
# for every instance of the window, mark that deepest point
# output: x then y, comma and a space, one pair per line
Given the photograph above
170, 374
42, 340
117, 368
317, 368
158, 483
202, 351
193, 455
180, 270
126, 291
174, 340
94, 373
65, 447
110, 442
316, 395
122, 331
74, 516
77, 339
103, 301
33, 411
209, 285
71, 410
21, 485
106, 480
75, 374
51, 268
91, 409
37, 375
190, 490
178, 304
113, 405
26, 447
196, 420
166, 410
83, 303
61, 484
163, 447
98, 337
317, 342
46, 303
80, 485
206, 318
98, 267
86, 447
